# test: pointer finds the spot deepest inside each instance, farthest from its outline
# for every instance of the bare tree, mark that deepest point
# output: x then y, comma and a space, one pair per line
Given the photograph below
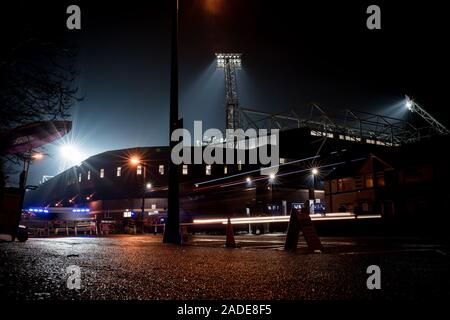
37, 82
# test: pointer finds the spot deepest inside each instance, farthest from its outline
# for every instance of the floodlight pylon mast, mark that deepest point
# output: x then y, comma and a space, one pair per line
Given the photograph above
230, 63
434, 123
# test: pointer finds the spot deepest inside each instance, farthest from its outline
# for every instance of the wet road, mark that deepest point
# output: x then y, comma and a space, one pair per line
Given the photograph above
141, 267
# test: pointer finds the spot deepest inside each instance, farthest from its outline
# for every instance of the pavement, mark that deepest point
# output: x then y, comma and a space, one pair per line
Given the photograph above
141, 267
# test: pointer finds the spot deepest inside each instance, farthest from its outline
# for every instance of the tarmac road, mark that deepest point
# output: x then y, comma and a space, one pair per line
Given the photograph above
141, 267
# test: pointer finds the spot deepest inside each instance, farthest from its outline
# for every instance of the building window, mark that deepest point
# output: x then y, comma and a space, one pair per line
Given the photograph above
153, 206
139, 170
359, 182
345, 184
239, 165
89, 175
79, 177
225, 170
369, 181
102, 173
119, 171
208, 170
161, 169
282, 160
185, 169
380, 179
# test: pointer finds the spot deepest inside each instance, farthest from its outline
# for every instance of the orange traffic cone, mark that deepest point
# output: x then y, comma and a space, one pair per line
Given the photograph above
230, 243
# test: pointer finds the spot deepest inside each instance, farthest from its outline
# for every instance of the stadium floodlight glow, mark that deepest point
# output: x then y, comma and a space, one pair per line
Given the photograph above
71, 153
315, 171
409, 103
233, 59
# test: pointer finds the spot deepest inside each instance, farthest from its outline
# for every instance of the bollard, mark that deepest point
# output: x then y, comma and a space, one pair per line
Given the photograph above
293, 231
300, 220
230, 243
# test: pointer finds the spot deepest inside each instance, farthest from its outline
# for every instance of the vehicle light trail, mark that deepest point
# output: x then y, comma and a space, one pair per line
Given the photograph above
314, 217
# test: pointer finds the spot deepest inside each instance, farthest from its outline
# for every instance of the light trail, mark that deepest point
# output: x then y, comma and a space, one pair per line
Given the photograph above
278, 219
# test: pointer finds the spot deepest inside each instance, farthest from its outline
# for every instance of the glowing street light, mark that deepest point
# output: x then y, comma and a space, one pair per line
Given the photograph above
37, 156
135, 161
315, 171
272, 177
248, 180
26, 167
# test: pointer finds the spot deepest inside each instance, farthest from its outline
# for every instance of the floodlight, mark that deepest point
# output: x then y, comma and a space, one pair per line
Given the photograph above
232, 59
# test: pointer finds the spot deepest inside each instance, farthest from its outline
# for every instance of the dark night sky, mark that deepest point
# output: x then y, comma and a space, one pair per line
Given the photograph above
295, 53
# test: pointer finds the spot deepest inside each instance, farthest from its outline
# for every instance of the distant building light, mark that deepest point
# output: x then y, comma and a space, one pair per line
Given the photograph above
161, 169
208, 170
102, 173
89, 175
139, 170
185, 169
127, 214
119, 171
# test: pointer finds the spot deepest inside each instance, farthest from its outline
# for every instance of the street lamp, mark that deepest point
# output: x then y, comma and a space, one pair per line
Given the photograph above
312, 191
27, 159
37, 156
136, 161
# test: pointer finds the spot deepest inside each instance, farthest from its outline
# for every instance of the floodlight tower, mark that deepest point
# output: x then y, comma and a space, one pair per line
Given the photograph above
230, 63
413, 106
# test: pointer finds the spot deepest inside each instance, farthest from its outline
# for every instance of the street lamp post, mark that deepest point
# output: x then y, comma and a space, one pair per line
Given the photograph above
312, 193
171, 233
144, 189
135, 161
26, 167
